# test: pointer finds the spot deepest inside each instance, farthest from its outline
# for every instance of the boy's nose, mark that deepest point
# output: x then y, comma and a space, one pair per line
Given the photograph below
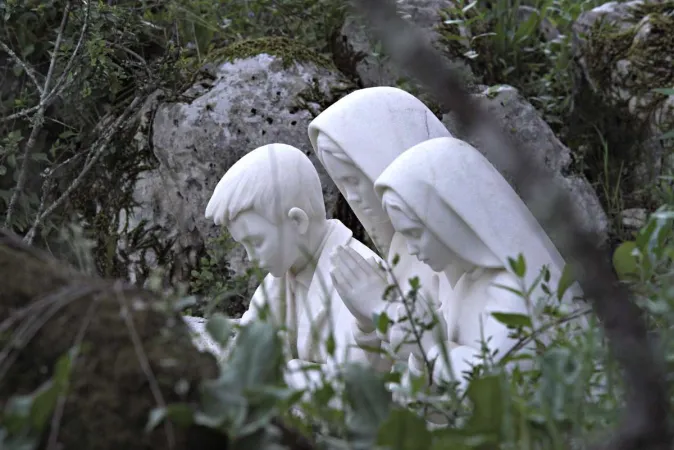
249, 253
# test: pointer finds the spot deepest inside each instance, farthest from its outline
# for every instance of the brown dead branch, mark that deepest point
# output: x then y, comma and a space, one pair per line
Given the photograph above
647, 411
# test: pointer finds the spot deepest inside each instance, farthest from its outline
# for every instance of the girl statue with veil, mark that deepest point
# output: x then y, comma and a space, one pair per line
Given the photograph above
460, 217
355, 139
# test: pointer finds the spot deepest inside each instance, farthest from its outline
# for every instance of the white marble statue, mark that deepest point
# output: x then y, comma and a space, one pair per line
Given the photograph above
355, 139
461, 217
271, 202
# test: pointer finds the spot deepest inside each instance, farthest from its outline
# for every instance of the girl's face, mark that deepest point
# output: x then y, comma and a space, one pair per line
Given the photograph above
358, 189
421, 242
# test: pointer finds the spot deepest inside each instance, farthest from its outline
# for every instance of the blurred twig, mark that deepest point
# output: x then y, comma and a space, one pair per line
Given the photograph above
647, 410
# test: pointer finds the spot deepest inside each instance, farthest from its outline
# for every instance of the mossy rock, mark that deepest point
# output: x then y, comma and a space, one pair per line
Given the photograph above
133, 350
289, 51
626, 61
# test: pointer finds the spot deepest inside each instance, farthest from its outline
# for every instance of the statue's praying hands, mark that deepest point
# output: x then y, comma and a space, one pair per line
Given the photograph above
360, 283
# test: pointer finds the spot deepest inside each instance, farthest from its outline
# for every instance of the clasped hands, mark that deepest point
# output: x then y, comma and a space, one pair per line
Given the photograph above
360, 283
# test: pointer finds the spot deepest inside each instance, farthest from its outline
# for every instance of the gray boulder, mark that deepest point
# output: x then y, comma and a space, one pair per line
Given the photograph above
374, 68
243, 103
625, 51
534, 138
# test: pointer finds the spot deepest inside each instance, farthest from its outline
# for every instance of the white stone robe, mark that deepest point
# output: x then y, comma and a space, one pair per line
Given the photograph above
309, 307
467, 314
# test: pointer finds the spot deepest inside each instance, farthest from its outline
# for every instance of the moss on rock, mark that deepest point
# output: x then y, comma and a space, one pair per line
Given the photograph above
121, 331
627, 61
286, 49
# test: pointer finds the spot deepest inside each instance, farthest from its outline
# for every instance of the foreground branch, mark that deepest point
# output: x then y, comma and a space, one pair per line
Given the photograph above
647, 411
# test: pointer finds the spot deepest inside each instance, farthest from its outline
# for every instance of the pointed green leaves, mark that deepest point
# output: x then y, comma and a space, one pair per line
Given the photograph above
370, 403
404, 430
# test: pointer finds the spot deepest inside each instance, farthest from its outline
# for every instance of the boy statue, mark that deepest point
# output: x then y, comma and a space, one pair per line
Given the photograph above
271, 202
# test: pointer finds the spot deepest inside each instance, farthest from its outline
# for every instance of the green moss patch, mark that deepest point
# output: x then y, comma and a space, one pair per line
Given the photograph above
289, 51
650, 59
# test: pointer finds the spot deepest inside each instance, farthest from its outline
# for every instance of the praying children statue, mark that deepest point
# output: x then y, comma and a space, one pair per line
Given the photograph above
271, 202
355, 139
461, 217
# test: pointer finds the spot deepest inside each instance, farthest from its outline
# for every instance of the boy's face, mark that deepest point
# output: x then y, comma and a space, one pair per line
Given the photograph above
274, 247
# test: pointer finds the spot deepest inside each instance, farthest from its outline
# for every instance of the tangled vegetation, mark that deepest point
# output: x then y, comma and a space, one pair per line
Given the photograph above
78, 83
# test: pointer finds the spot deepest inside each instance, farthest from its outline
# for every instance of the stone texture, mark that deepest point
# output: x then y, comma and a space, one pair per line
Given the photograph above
248, 103
633, 219
536, 140
624, 51
374, 68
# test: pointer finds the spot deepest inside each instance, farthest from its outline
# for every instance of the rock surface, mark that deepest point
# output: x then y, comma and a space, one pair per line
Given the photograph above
625, 51
247, 103
533, 137
374, 68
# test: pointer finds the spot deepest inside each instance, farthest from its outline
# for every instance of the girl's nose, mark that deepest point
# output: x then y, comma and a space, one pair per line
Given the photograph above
412, 249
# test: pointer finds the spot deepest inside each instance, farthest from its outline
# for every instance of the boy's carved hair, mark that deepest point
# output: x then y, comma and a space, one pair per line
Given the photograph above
269, 180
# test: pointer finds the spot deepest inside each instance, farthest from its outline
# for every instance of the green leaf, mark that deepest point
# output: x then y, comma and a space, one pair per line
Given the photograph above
396, 260
449, 438
180, 413
257, 358
67, 134
666, 91
510, 289
263, 406
63, 367
220, 328
486, 394
404, 430
369, 399
560, 373
415, 284
43, 405
383, 321
565, 281
44, 399
17, 413
222, 402
518, 266
330, 344
668, 135
513, 320
625, 262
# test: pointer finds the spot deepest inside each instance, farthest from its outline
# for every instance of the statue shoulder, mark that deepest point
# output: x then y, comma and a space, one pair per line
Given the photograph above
271, 287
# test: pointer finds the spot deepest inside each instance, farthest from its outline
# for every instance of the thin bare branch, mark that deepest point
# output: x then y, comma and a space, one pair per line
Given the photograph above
99, 149
29, 70
38, 122
60, 84
21, 114
69, 65
143, 360
52, 442
57, 46
646, 420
